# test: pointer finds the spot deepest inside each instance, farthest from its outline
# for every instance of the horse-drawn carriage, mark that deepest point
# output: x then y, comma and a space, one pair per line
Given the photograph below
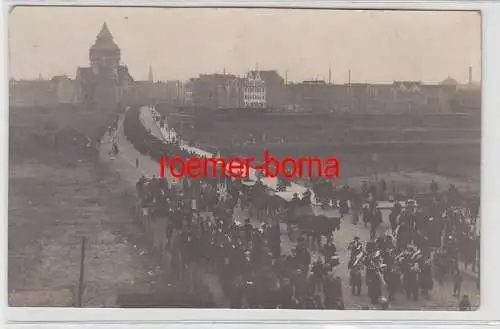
317, 225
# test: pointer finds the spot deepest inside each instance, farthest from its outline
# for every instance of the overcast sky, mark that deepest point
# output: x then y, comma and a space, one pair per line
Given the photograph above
378, 46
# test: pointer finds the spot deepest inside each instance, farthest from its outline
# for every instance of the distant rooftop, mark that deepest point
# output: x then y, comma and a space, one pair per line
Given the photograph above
449, 81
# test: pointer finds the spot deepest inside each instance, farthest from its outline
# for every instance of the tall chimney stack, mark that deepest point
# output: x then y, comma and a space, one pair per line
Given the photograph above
470, 75
150, 74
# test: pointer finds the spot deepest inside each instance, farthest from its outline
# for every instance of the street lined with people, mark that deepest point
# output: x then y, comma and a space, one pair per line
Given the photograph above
400, 261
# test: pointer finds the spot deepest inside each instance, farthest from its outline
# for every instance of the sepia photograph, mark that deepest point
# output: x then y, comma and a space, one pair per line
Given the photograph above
244, 158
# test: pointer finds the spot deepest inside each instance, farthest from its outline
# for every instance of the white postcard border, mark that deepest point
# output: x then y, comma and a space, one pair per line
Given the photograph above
490, 190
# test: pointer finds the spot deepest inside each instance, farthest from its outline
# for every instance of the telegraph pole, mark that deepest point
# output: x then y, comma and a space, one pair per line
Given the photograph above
82, 270
350, 92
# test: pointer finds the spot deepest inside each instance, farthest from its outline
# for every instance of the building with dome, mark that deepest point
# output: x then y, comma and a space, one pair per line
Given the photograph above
449, 81
104, 83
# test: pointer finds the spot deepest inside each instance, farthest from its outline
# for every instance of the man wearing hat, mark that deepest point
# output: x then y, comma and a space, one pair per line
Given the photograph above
302, 255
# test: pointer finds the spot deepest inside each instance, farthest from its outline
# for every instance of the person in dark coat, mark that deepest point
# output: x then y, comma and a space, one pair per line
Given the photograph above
333, 292
355, 280
274, 241
434, 187
329, 250
302, 255
236, 292
393, 220
374, 286
285, 294
343, 207
393, 279
410, 281
426, 281
366, 215
464, 304
383, 187
375, 223
248, 228
457, 283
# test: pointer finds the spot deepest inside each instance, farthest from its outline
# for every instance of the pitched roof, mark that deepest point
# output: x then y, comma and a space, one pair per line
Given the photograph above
268, 75
105, 40
255, 75
104, 33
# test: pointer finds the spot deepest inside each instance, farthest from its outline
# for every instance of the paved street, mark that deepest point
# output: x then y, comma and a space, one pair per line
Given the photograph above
441, 296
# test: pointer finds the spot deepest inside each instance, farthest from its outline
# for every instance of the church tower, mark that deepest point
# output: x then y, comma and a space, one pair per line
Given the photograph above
104, 55
103, 85
104, 58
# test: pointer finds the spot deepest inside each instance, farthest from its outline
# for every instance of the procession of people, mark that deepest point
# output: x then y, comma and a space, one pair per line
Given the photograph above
425, 244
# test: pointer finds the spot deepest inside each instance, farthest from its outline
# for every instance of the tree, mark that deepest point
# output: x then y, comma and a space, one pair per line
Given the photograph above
434, 187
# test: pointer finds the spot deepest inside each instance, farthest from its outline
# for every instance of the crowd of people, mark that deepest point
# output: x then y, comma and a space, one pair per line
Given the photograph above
426, 242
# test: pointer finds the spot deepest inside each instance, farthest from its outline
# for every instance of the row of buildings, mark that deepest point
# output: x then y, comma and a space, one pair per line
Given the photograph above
267, 89
106, 82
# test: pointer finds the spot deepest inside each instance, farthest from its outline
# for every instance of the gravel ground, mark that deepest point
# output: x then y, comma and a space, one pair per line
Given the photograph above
57, 195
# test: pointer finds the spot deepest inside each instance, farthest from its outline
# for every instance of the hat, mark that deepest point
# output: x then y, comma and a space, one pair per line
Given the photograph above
356, 238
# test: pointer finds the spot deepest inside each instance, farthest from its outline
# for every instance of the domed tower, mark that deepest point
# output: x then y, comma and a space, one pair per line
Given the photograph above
104, 55
104, 58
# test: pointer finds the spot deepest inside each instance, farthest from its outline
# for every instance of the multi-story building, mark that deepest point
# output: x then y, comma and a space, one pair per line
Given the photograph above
258, 89
254, 90
274, 86
311, 95
149, 92
28, 93
179, 92
266, 89
398, 97
216, 91
64, 90
188, 93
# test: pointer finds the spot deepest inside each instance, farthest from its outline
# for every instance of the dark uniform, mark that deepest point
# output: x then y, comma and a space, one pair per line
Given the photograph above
355, 280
